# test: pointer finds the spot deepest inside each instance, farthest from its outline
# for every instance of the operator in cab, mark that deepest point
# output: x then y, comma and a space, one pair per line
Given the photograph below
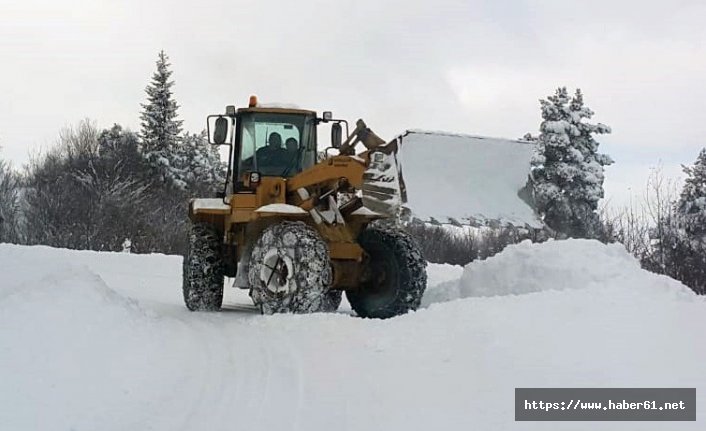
273, 154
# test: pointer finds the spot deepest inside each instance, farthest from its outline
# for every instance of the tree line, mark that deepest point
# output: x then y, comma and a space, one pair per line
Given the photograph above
114, 189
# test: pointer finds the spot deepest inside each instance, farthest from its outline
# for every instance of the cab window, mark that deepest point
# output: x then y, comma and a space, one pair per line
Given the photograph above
276, 144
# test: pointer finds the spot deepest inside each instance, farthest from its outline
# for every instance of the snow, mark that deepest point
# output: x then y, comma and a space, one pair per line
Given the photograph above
102, 341
278, 105
456, 178
442, 273
555, 265
363, 211
209, 204
280, 208
441, 278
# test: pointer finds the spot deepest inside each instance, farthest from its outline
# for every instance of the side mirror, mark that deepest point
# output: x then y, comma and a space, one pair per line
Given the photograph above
336, 135
220, 132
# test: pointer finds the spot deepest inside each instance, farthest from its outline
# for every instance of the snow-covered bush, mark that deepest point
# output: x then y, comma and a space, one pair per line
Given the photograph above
88, 192
446, 244
664, 231
199, 163
9, 204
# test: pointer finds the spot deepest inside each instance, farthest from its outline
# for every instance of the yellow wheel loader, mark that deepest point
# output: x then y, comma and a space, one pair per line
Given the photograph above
297, 228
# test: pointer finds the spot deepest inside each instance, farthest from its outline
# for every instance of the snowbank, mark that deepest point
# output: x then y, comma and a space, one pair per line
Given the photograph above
71, 345
554, 265
441, 278
102, 341
466, 179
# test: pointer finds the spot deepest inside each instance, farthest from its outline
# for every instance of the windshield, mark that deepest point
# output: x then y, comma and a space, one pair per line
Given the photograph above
276, 144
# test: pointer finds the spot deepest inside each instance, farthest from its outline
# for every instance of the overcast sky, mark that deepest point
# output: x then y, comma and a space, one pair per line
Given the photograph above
464, 66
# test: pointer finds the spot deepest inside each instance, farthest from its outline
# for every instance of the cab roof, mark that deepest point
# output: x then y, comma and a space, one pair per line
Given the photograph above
274, 110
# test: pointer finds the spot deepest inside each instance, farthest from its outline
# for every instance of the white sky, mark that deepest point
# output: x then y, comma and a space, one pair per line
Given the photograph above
463, 66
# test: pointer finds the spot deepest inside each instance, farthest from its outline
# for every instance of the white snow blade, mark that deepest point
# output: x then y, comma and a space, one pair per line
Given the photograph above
465, 179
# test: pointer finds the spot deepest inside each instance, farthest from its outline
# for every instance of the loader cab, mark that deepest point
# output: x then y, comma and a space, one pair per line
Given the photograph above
274, 142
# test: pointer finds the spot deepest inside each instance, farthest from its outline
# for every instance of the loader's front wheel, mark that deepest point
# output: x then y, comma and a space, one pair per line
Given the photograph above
203, 269
290, 271
394, 274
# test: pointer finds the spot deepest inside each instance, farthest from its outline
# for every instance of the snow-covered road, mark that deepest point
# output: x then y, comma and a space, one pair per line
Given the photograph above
102, 341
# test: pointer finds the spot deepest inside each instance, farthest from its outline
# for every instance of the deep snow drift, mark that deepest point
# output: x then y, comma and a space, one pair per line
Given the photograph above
102, 341
555, 265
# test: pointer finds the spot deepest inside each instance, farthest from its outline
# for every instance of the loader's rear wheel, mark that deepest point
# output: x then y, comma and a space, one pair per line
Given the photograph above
203, 269
290, 271
394, 274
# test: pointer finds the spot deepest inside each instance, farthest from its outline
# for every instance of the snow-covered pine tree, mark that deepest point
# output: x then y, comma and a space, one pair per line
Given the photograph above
678, 247
687, 245
691, 207
567, 170
161, 130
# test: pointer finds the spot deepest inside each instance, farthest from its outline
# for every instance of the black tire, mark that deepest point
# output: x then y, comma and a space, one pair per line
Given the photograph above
394, 274
290, 271
203, 269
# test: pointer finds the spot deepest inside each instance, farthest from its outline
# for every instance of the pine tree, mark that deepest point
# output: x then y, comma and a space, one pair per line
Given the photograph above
691, 207
567, 170
161, 130
683, 246
680, 236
